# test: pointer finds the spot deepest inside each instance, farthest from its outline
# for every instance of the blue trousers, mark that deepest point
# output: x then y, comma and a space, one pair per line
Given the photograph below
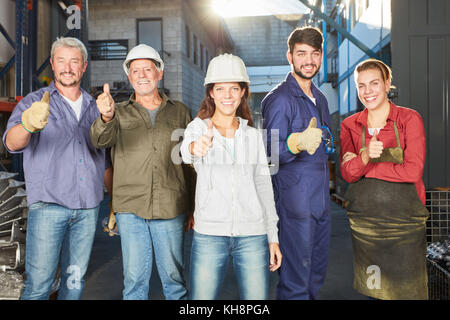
304, 244
209, 261
52, 229
139, 239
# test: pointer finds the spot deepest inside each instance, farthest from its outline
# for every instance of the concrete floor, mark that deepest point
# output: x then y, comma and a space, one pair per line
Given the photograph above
104, 278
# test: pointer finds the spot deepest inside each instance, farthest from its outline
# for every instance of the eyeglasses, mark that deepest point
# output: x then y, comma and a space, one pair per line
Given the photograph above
328, 141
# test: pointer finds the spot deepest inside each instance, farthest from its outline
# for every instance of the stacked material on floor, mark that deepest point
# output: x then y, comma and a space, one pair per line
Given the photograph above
13, 220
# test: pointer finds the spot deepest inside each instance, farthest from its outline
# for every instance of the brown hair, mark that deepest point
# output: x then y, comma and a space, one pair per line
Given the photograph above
208, 107
307, 35
374, 64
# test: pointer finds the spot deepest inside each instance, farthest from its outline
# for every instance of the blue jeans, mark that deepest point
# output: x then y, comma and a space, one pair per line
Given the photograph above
139, 238
53, 229
209, 261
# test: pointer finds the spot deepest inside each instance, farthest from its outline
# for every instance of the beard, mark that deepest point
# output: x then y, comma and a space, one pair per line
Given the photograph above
145, 91
303, 76
71, 83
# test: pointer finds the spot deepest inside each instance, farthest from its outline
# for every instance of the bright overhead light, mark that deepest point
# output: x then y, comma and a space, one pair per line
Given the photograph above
242, 8
225, 8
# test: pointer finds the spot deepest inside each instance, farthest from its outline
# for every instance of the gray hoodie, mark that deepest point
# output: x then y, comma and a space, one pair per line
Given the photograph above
234, 195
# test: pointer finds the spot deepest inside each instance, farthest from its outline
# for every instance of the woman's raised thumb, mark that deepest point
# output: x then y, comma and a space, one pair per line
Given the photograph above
374, 137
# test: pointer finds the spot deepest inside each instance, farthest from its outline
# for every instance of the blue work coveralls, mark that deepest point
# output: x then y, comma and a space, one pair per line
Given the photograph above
301, 189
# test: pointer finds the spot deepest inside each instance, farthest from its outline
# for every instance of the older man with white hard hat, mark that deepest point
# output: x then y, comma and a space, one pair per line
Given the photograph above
151, 192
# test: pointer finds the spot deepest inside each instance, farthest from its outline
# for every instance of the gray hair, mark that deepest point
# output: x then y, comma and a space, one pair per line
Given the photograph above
69, 42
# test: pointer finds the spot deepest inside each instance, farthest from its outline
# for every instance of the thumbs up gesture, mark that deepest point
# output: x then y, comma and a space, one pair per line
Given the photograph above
308, 140
375, 147
202, 145
105, 104
35, 118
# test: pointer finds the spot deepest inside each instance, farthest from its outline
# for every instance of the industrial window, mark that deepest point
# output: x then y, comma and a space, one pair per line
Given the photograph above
195, 49
108, 49
188, 41
149, 31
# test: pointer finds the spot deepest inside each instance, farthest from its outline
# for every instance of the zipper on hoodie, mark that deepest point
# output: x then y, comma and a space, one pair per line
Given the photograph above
233, 183
233, 208
233, 187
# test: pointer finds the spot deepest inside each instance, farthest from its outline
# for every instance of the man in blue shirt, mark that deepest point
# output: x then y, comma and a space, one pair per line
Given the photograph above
63, 174
297, 109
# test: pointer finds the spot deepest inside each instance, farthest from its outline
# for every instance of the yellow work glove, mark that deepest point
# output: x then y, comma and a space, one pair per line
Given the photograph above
111, 227
35, 118
308, 140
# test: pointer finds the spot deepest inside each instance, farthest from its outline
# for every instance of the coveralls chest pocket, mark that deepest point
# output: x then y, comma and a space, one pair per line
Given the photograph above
300, 124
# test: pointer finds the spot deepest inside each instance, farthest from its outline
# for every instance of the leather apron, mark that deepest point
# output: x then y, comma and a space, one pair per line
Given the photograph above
387, 220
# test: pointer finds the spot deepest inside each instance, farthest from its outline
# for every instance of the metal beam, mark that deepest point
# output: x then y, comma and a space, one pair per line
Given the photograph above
7, 66
341, 30
21, 47
325, 58
6, 35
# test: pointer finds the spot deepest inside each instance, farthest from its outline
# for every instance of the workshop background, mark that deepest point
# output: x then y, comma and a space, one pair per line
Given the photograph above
411, 36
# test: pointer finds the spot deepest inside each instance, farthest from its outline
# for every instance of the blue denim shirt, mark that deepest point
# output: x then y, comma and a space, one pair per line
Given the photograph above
60, 163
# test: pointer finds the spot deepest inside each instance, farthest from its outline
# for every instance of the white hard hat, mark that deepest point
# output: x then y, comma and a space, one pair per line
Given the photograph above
226, 68
142, 51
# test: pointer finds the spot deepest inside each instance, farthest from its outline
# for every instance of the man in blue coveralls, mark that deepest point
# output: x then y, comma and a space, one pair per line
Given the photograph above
298, 110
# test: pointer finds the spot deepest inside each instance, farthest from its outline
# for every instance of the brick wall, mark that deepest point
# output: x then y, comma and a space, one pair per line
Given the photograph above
109, 19
261, 41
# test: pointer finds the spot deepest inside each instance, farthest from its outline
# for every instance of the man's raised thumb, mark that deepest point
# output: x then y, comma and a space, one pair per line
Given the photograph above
312, 123
106, 88
46, 97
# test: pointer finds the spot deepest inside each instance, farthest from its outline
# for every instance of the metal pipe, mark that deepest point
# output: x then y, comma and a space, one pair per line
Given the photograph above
324, 32
10, 189
12, 256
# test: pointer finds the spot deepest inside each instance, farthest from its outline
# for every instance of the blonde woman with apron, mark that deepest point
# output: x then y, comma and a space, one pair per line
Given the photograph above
382, 157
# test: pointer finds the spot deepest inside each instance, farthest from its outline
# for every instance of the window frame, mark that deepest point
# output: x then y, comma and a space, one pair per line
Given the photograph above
104, 57
162, 39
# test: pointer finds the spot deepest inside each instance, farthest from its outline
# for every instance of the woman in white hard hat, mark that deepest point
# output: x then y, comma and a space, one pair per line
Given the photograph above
235, 212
